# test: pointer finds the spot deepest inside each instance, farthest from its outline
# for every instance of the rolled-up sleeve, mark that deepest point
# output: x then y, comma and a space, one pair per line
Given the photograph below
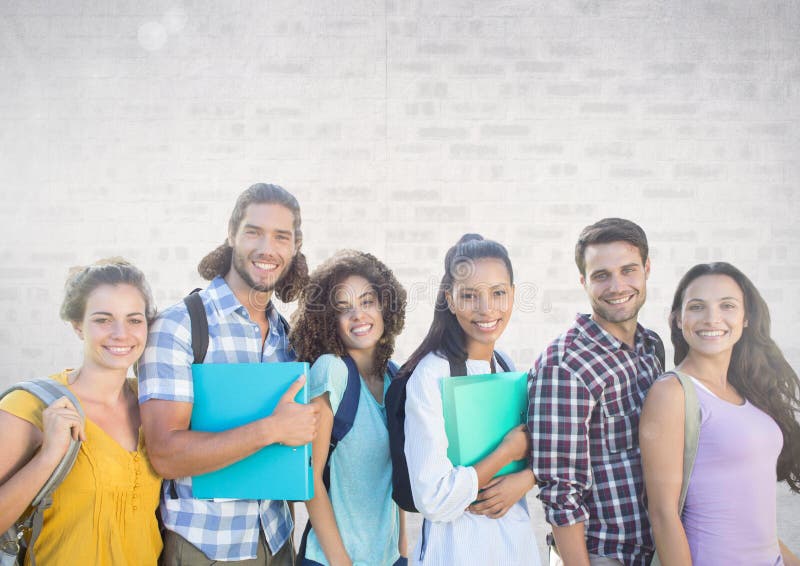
441, 491
559, 417
165, 370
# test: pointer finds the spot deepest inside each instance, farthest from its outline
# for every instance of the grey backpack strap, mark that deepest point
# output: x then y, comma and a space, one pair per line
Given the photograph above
47, 390
691, 431
691, 436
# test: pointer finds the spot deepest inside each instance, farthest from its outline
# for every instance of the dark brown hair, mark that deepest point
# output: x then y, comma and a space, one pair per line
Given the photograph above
606, 231
445, 335
758, 370
314, 325
82, 280
218, 261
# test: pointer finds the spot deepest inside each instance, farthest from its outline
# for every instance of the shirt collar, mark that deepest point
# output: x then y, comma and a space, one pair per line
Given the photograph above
593, 331
222, 295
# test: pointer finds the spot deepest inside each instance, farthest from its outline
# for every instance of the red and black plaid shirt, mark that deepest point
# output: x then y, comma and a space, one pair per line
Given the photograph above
586, 395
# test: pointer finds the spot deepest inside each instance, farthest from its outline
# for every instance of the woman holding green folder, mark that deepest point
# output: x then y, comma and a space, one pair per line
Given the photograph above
347, 321
470, 516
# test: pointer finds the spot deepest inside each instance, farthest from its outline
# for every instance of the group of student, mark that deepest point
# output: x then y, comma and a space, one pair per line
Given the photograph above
589, 454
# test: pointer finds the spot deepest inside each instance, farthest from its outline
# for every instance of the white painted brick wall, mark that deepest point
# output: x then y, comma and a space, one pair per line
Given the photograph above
129, 128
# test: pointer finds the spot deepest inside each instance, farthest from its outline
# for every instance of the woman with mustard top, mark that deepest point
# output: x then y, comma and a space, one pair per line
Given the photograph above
104, 512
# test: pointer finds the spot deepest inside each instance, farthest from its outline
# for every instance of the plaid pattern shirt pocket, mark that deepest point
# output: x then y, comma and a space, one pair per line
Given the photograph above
620, 420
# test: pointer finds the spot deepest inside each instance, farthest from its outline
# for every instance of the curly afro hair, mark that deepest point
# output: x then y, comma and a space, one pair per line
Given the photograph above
314, 324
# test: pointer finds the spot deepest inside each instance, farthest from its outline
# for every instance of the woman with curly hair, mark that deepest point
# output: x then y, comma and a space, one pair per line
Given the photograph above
353, 307
749, 437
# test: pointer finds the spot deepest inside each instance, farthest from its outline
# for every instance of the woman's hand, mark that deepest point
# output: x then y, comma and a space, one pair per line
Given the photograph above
61, 423
789, 557
30, 455
402, 541
501, 493
517, 443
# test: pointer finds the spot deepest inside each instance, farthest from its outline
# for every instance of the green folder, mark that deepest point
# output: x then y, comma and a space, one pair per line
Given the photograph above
231, 395
478, 412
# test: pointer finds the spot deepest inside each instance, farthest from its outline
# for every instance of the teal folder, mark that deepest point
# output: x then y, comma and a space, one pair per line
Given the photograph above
478, 412
230, 395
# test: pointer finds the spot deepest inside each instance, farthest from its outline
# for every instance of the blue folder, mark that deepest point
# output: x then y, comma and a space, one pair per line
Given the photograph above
231, 395
478, 412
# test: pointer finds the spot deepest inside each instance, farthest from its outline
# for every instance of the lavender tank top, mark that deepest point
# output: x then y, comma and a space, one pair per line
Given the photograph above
730, 511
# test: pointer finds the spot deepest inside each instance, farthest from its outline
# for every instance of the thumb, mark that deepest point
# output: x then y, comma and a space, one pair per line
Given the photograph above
293, 390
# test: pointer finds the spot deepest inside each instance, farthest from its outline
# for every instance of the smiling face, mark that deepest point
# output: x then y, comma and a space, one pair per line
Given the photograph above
616, 282
712, 314
481, 302
113, 328
263, 248
360, 320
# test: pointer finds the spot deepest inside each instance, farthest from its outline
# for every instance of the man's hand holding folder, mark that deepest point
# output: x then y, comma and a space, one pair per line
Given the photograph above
292, 423
265, 406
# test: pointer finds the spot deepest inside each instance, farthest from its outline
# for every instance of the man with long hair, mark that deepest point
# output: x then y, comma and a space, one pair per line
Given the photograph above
260, 257
586, 395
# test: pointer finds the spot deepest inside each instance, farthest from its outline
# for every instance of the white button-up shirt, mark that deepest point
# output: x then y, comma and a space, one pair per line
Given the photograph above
442, 492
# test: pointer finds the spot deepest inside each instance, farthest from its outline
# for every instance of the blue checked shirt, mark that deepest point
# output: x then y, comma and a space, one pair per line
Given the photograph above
586, 394
223, 530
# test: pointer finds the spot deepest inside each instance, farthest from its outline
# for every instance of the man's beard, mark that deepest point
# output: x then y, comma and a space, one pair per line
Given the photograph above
239, 263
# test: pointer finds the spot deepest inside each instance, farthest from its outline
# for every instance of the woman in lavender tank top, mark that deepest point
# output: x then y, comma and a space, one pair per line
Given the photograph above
749, 437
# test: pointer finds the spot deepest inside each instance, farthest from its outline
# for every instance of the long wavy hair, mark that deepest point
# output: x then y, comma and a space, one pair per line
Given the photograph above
445, 336
314, 323
218, 261
758, 370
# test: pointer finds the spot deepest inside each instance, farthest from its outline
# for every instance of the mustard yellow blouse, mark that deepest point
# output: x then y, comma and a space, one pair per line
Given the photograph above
104, 512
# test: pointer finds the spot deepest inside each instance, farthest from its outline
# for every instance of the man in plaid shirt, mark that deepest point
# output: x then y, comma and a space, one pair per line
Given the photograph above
260, 255
586, 394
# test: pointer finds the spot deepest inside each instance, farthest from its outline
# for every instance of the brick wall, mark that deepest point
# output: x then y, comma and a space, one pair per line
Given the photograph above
129, 128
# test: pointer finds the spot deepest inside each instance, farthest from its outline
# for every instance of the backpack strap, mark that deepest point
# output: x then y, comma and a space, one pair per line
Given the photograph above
47, 390
691, 431
342, 423
460, 368
199, 322
346, 411
502, 361
395, 403
691, 436
660, 354
284, 323
457, 367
